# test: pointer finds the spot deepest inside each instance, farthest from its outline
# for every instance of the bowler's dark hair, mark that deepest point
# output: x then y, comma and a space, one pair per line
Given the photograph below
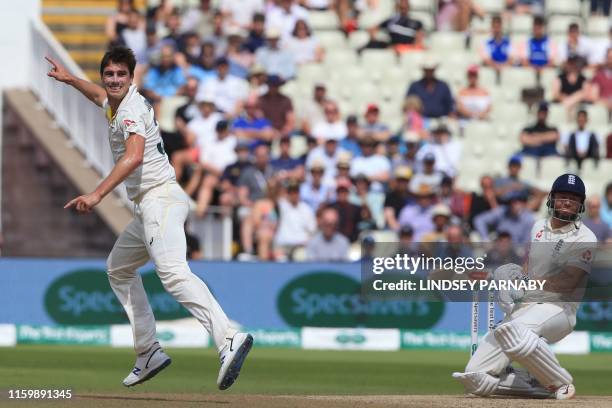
119, 55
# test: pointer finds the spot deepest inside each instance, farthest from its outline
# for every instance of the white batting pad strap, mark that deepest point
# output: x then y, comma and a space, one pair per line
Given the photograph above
519, 383
525, 347
482, 384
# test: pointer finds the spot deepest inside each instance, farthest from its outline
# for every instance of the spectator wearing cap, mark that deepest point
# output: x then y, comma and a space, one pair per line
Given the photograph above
204, 68
419, 213
483, 201
327, 153
364, 196
256, 37
412, 145
199, 132
239, 14
601, 84
314, 191
496, 52
312, 109
285, 166
297, 223
228, 91
165, 79
512, 185
571, 87
350, 215
582, 143
239, 59
393, 150
283, 15
540, 140
353, 133
177, 140
428, 176
328, 244
277, 107
372, 124
456, 200
474, 101
441, 219
343, 165
434, 93
257, 81
445, 149
303, 45
276, 60
199, 19
593, 221
514, 218
252, 125
539, 51
228, 184
405, 33
376, 167
214, 159
332, 127
397, 197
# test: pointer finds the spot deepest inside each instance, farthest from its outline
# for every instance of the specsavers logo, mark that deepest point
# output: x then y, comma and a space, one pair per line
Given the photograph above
329, 299
85, 297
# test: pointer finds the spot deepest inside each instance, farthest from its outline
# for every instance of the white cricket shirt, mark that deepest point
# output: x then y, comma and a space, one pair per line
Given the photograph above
135, 115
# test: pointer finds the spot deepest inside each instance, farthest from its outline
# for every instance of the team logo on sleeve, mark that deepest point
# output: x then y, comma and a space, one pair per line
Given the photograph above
587, 256
128, 122
539, 234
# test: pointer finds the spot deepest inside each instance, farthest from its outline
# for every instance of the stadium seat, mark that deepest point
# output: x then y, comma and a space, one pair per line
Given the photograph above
167, 110
491, 6
311, 73
598, 115
556, 114
421, 5
358, 39
425, 18
375, 59
557, 25
481, 25
547, 76
411, 61
476, 41
442, 42
323, 20
332, 41
521, 24
518, 78
529, 168
570, 7
478, 132
598, 26
510, 113
338, 59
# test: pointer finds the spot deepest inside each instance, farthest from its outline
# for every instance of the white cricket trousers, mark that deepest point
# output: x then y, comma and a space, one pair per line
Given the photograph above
547, 320
157, 232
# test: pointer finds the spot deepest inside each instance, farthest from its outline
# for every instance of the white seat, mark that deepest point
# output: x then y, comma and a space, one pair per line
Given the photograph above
491, 6
521, 23
481, 25
323, 20
425, 18
421, 5
311, 73
547, 76
478, 132
598, 26
411, 61
598, 115
441, 42
557, 114
373, 58
571, 7
552, 167
332, 41
167, 111
557, 25
358, 39
338, 59
518, 77
510, 113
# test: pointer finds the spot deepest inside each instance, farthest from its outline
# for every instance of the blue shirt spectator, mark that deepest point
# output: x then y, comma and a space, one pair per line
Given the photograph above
515, 219
434, 93
166, 78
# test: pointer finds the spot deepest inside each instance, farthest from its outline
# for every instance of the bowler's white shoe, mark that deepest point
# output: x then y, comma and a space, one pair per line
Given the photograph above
232, 357
567, 391
147, 365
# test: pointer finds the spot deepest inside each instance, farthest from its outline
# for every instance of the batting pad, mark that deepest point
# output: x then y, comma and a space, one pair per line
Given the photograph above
533, 352
518, 383
482, 384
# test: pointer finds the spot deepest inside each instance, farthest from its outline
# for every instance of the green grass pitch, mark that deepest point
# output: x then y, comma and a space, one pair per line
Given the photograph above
266, 371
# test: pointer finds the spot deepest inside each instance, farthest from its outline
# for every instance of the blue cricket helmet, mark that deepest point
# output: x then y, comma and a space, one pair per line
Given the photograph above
567, 183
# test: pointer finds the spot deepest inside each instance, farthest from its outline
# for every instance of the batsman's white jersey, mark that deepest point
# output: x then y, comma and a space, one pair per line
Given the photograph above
135, 115
553, 250
156, 232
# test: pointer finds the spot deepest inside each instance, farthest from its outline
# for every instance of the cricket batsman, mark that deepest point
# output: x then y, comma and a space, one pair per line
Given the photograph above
560, 253
157, 230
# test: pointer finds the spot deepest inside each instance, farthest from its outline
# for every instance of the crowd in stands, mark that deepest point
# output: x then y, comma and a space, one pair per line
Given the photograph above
307, 178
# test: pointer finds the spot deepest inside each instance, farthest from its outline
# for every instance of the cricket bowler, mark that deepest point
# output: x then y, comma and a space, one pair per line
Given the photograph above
560, 253
157, 230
